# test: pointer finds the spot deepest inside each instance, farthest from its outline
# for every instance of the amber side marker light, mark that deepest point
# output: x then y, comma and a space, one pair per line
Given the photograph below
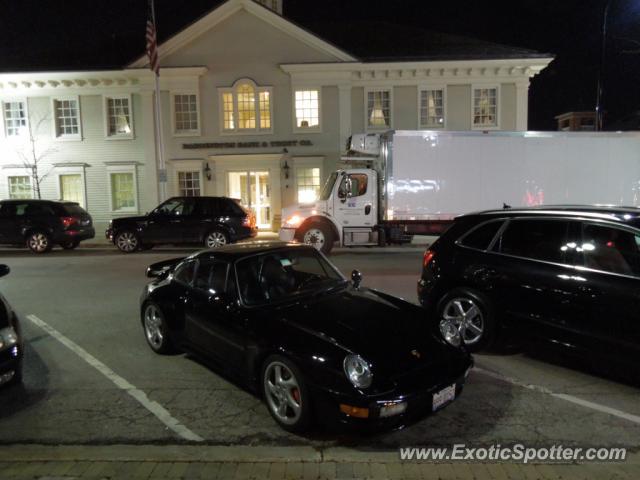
352, 411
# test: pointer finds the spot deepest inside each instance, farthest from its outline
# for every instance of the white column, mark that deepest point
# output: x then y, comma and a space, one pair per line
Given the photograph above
522, 105
344, 115
149, 191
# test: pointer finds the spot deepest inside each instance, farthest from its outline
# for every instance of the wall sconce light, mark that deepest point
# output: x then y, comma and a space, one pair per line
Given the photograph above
207, 171
285, 167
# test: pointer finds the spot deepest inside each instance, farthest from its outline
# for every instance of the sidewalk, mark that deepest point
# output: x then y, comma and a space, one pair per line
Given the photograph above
129, 462
419, 242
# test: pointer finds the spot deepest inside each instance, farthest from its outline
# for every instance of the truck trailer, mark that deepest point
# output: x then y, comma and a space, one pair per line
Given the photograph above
404, 183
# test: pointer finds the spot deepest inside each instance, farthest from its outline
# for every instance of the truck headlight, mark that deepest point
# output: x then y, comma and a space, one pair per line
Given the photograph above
357, 371
8, 338
450, 333
293, 221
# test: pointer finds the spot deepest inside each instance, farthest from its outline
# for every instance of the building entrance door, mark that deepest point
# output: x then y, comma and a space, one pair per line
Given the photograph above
254, 191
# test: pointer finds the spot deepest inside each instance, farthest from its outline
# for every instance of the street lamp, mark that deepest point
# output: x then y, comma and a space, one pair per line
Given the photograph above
599, 114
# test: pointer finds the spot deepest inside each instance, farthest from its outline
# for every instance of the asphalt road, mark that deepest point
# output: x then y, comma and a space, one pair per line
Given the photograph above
90, 297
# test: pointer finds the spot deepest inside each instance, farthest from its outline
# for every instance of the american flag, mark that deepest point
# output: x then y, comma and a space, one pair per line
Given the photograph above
152, 42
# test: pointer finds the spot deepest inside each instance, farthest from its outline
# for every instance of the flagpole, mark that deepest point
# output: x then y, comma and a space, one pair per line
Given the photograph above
162, 170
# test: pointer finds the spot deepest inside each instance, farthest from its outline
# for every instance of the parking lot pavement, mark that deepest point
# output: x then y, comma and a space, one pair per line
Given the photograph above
90, 297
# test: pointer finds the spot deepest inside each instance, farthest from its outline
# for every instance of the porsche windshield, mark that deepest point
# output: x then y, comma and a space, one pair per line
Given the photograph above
277, 275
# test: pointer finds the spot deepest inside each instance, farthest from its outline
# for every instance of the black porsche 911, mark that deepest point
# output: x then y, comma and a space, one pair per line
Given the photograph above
285, 321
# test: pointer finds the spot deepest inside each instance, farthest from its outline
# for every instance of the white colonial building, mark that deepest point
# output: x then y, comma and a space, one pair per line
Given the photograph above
253, 107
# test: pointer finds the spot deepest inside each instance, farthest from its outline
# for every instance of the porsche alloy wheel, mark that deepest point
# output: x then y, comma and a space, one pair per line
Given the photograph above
285, 393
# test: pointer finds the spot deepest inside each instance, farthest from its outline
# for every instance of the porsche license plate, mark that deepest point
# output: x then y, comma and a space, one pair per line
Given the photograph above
444, 396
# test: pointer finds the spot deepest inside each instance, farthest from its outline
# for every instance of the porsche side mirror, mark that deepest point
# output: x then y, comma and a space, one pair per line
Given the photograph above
155, 272
4, 270
356, 279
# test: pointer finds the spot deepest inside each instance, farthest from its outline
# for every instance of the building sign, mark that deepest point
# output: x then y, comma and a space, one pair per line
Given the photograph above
274, 143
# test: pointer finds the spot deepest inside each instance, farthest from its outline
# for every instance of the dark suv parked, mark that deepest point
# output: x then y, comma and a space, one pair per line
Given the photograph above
41, 224
210, 221
569, 275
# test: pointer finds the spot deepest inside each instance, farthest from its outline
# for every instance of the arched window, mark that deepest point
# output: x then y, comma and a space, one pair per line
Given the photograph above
245, 107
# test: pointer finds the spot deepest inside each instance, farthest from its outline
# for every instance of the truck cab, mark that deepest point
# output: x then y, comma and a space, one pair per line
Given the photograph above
346, 212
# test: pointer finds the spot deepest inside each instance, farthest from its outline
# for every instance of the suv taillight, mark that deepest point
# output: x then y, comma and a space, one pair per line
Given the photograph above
68, 221
428, 256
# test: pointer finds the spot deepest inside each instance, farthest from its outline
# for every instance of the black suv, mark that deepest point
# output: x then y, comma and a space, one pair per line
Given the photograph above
567, 274
41, 224
11, 342
210, 221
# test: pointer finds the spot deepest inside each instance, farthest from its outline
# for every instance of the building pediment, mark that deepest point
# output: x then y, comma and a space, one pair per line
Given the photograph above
225, 12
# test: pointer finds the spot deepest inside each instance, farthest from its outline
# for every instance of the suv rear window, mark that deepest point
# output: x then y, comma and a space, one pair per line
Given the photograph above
537, 239
480, 237
36, 209
230, 206
73, 209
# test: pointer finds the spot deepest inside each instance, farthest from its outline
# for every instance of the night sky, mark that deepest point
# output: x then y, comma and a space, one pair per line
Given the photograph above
70, 34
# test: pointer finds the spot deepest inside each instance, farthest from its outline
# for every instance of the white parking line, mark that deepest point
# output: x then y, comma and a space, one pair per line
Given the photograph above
562, 396
154, 407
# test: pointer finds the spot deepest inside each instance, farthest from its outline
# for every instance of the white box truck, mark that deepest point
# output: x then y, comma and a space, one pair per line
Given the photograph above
406, 183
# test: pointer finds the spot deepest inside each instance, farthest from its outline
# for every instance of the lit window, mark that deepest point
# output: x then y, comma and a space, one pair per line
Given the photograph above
265, 111
67, 117
123, 191
227, 105
485, 107
189, 184
307, 104
185, 107
308, 183
246, 108
71, 188
432, 108
119, 117
379, 109
15, 118
20, 187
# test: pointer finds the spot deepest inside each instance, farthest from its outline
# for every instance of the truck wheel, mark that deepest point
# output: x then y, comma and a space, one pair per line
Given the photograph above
318, 235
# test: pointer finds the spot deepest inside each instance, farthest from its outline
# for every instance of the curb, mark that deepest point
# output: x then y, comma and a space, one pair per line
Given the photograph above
223, 454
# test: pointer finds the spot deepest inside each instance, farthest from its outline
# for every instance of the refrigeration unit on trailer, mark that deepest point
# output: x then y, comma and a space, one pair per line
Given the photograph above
404, 183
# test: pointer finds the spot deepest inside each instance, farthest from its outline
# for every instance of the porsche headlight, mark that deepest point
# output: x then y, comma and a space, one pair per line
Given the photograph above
450, 333
357, 371
8, 338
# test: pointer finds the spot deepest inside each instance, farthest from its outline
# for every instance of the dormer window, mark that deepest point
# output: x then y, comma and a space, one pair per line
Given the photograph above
246, 108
